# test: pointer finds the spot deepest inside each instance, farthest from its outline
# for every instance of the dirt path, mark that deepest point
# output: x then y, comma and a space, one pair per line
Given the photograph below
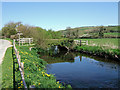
4, 44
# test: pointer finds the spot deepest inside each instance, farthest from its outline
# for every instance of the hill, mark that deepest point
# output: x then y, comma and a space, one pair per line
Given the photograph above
91, 32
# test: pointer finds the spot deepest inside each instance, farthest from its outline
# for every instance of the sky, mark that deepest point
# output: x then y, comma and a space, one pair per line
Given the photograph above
59, 15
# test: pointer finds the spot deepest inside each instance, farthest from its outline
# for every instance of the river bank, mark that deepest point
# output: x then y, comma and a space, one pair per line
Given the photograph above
113, 54
35, 73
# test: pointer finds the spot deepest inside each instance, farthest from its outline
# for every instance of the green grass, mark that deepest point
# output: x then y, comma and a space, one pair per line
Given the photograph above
101, 47
107, 42
112, 28
111, 35
34, 69
115, 34
7, 69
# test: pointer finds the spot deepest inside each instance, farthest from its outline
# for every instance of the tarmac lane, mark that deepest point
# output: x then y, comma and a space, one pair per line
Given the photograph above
4, 44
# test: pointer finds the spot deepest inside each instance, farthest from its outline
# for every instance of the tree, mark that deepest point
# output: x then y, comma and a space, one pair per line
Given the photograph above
10, 29
26, 30
101, 32
40, 37
7, 31
54, 34
68, 34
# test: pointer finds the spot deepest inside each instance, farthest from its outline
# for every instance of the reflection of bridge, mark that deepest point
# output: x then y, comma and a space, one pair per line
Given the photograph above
58, 58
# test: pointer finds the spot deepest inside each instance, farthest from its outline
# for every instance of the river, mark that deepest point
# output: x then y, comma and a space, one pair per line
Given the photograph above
82, 71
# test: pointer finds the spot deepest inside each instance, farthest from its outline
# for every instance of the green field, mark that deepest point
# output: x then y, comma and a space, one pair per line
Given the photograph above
106, 42
115, 34
102, 47
111, 35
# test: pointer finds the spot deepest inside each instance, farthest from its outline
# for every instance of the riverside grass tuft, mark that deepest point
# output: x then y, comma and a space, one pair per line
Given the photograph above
34, 71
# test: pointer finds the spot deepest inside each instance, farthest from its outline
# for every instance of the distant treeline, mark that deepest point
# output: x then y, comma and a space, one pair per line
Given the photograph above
40, 35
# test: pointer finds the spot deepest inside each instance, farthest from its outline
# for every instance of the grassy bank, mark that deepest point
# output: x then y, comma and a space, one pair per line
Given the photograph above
7, 69
99, 51
34, 69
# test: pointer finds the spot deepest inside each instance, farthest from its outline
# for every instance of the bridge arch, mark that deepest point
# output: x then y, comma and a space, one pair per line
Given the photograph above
63, 48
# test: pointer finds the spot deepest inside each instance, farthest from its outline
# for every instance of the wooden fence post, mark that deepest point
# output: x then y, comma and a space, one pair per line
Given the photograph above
29, 41
18, 54
20, 60
22, 67
87, 42
14, 42
22, 42
80, 42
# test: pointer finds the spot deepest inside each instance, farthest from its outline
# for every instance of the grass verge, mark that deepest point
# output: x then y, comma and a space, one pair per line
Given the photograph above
7, 69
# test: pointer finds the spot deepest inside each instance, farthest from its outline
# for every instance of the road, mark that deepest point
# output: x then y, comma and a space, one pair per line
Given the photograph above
4, 44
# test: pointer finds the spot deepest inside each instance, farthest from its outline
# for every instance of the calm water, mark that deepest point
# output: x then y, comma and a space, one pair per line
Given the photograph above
81, 71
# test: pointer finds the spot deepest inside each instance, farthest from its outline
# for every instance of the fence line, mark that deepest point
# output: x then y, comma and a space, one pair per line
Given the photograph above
25, 40
80, 42
21, 64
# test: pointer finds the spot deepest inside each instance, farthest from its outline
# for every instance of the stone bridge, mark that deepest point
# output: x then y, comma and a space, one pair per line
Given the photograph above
66, 44
63, 44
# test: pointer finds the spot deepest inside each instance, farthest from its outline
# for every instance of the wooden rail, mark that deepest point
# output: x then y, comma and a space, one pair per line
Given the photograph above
81, 42
21, 64
25, 40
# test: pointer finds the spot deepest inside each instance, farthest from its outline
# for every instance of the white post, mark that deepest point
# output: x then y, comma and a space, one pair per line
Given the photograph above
87, 42
29, 41
17, 54
22, 42
22, 65
14, 43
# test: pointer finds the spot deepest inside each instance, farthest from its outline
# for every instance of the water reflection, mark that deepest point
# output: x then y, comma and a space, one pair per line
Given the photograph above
72, 57
82, 71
